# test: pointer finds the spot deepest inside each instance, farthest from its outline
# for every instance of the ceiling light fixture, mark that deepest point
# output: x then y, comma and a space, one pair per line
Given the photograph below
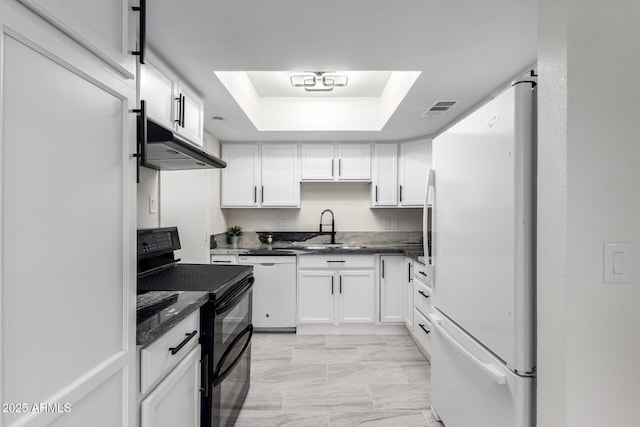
318, 81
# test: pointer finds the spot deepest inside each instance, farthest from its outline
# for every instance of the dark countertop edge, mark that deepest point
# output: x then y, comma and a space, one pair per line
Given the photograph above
188, 301
412, 252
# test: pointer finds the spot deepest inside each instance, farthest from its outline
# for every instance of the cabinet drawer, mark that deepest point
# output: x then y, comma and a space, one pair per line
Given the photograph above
224, 259
335, 261
421, 273
157, 359
422, 331
422, 298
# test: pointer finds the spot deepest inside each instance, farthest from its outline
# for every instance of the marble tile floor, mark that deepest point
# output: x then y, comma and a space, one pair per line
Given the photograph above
337, 380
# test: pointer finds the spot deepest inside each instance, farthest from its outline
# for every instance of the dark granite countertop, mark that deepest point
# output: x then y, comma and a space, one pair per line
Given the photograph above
412, 251
157, 323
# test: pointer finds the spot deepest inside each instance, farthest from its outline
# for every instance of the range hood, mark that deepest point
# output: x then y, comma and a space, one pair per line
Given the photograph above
161, 149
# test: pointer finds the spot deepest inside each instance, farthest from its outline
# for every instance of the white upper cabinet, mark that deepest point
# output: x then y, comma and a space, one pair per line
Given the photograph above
241, 178
400, 181
335, 162
107, 28
260, 175
354, 162
157, 88
318, 162
280, 185
384, 188
190, 123
171, 102
415, 161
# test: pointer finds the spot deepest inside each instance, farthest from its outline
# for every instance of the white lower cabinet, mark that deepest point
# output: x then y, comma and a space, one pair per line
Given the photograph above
316, 296
334, 295
224, 259
392, 289
176, 400
409, 284
356, 295
422, 307
170, 379
422, 331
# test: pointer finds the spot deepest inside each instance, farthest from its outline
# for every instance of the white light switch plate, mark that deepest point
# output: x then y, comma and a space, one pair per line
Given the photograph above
153, 204
617, 262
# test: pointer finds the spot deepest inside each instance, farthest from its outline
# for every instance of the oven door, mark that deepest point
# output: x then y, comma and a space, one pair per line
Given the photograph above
232, 353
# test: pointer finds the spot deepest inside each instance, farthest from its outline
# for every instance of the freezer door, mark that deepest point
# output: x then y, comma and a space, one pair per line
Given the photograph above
483, 225
472, 388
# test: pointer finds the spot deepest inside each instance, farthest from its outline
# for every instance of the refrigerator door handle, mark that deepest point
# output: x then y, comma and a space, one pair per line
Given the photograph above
490, 370
427, 220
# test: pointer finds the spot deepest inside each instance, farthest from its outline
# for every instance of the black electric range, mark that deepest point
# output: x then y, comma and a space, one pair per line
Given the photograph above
225, 320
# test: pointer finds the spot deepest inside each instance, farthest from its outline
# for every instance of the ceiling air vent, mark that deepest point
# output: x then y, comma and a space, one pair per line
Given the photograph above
438, 108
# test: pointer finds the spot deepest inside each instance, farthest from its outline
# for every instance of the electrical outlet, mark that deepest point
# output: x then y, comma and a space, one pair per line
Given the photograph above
386, 223
395, 224
281, 224
153, 204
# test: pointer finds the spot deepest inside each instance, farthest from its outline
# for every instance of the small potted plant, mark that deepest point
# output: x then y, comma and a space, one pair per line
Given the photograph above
233, 235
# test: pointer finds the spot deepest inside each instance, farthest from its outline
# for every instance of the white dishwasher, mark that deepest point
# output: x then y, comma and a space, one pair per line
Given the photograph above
274, 291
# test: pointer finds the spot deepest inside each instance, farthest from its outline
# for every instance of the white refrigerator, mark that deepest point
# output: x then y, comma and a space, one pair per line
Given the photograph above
482, 190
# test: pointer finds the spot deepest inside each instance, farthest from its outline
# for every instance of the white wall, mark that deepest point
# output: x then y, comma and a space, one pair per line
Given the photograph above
350, 202
217, 222
589, 155
148, 185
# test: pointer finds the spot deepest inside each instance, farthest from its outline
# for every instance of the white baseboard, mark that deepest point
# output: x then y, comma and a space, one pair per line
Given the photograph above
352, 329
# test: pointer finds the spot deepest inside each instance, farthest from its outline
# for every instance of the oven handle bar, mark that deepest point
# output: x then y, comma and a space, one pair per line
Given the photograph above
218, 376
229, 301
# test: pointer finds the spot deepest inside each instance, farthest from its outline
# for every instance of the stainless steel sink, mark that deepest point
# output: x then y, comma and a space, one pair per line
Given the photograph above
330, 246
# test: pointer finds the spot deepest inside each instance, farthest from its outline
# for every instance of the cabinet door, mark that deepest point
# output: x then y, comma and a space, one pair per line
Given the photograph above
415, 161
318, 162
60, 106
280, 182
384, 191
192, 127
408, 309
357, 296
354, 162
158, 89
100, 26
241, 177
393, 276
316, 296
176, 400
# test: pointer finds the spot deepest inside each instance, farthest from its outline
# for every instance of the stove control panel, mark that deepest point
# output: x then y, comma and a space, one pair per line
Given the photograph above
156, 240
